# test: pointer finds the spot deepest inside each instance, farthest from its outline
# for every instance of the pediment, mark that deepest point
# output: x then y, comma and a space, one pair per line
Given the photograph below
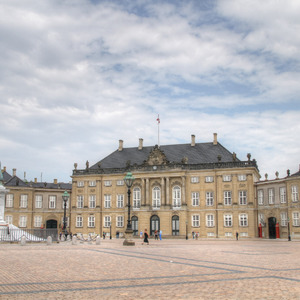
156, 157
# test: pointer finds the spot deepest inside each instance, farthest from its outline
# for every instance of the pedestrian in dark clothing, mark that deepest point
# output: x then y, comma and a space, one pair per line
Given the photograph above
146, 236
237, 236
156, 234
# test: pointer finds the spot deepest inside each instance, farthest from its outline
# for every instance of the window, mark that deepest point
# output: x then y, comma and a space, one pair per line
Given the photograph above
107, 201
23, 201
227, 198
226, 177
156, 197
92, 183
260, 197
91, 221
120, 221
209, 179
120, 182
92, 201
243, 197
52, 201
261, 219
120, 201
176, 196
38, 201
79, 221
243, 220
227, 220
23, 221
9, 219
195, 198
283, 217
107, 182
136, 197
210, 221
80, 183
242, 177
37, 221
209, 198
271, 196
107, 221
194, 179
296, 218
80, 201
282, 192
196, 220
295, 196
63, 203
9, 200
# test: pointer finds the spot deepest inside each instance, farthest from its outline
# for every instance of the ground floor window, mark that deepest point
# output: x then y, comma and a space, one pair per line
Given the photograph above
227, 220
79, 221
37, 221
135, 225
175, 225
295, 218
196, 220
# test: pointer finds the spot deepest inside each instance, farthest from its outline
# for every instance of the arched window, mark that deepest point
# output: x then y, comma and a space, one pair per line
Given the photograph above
156, 197
176, 196
136, 197
154, 224
135, 225
175, 225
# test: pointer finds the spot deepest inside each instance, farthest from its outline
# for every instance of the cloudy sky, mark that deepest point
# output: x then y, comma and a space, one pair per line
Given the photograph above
78, 75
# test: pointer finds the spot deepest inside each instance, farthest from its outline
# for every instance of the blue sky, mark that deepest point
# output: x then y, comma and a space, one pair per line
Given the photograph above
77, 76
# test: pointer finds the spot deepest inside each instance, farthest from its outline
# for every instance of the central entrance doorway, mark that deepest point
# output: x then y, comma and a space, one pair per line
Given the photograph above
175, 225
272, 227
154, 224
51, 224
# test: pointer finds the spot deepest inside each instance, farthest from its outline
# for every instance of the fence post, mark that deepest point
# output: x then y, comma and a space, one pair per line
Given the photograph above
23, 240
49, 240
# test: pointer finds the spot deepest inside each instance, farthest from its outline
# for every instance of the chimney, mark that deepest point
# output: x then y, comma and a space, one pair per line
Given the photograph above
215, 139
120, 145
35, 180
193, 143
14, 172
55, 181
140, 144
4, 169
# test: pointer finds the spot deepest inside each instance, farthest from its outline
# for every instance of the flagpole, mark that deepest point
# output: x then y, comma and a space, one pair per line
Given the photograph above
158, 121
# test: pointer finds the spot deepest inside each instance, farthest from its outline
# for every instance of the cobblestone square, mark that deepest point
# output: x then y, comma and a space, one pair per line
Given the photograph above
167, 269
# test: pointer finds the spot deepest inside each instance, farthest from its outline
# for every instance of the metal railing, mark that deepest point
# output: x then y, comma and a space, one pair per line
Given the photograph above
34, 235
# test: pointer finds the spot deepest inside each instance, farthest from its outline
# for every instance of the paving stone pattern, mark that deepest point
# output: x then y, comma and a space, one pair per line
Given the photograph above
167, 269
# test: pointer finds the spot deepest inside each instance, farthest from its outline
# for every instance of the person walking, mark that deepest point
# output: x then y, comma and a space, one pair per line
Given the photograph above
237, 236
156, 234
145, 236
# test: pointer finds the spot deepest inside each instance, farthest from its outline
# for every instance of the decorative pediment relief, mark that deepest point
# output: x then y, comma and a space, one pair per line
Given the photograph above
156, 157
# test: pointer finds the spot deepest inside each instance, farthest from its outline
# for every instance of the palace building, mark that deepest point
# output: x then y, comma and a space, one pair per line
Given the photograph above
184, 189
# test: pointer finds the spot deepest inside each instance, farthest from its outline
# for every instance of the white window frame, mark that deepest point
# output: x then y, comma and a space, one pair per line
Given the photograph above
209, 198
23, 221
91, 221
79, 221
92, 201
136, 197
107, 183
107, 201
120, 221
38, 221
260, 197
52, 201
9, 219
195, 179
120, 201
228, 220
195, 198
242, 177
283, 219
209, 179
156, 194
92, 183
271, 196
120, 182
80, 201
80, 183
227, 198
296, 218
261, 219
176, 192
295, 194
9, 200
210, 220
195, 220
243, 220
282, 193
23, 201
107, 221
38, 201
243, 197
226, 178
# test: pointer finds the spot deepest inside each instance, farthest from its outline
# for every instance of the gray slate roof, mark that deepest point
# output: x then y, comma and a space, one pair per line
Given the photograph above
198, 154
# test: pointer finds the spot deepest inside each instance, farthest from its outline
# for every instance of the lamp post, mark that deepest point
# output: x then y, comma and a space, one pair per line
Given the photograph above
186, 230
65, 198
128, 179
110, 230
289, 235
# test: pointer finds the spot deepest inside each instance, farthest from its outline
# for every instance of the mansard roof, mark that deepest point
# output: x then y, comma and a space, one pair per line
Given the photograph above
16, 181
6, 176
201, 153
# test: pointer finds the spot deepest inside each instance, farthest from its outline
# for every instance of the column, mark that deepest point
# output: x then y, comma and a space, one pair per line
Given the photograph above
167, 191
163, 202
147, 192
183, 190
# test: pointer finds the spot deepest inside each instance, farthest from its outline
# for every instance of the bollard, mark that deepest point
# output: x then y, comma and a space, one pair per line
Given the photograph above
23, 240
74, 240
49, 240
62, 239
98, 239
68, 237
89, 240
